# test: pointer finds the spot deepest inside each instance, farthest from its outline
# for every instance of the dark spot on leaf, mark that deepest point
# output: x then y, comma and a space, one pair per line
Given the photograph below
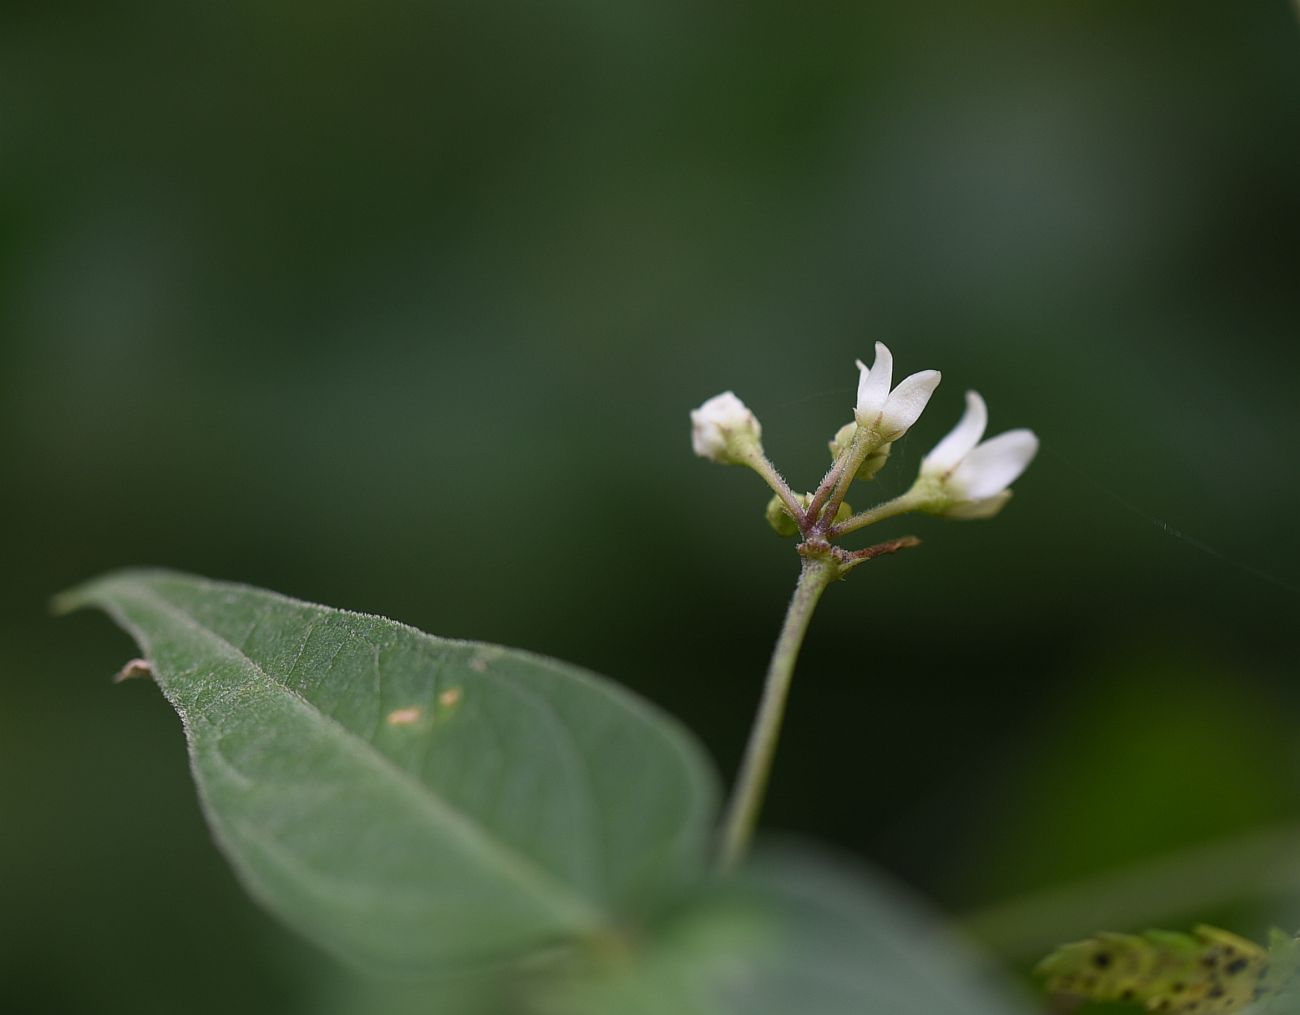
1237, 965
1101, 960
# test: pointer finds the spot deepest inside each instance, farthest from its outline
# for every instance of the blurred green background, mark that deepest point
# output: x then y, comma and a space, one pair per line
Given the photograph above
401, 307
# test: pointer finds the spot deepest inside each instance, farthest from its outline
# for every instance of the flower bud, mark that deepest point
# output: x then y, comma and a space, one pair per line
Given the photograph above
842, 439
779, 518
723, 430
871, 465
783, 524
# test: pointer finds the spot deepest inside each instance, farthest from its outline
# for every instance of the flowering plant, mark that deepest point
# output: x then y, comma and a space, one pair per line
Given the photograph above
960, 478
475, 829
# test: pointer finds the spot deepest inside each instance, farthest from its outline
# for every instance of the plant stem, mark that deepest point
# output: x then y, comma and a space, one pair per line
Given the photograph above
836, 481
835, 486
747, 799
828, 483
900, 505
763, 466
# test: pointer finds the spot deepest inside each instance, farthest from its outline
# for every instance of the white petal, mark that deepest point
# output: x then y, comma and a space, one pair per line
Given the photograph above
986, 508
724, 409
873, 384
906, 403
964, 436
707, 440
994, 465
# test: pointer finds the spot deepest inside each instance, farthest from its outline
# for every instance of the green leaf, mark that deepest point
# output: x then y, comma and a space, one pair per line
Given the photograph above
1207, 972
1210, 970
796, 932
407, 801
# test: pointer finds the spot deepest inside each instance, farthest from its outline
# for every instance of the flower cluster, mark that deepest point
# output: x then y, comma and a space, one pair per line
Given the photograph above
963, 476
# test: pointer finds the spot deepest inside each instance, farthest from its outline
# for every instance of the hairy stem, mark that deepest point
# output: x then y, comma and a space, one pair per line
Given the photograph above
856, 455
828, 483
760, 464
835, 486
898, 506
747, 798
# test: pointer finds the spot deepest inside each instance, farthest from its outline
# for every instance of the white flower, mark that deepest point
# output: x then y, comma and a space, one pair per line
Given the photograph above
967, 479
724, 430
890, 413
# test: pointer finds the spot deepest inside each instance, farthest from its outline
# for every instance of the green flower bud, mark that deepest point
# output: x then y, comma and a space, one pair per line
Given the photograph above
784, 524
840, 442
871, 465
779, 518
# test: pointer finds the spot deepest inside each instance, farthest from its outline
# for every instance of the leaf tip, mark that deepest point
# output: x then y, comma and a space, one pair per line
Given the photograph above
68, 601
98, 591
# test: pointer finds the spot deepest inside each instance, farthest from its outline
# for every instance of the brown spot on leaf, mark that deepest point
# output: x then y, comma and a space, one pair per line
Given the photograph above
450, 698
135, 668
405, 716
